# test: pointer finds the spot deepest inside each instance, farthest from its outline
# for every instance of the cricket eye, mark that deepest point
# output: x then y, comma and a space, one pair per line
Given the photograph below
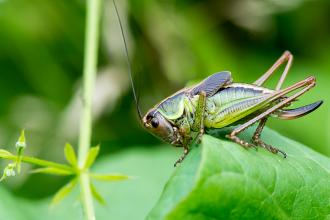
149, 117
154, 122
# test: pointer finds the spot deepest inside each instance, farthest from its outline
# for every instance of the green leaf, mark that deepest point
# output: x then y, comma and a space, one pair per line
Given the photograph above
97, 195
70, 155
109, 177
4, 153
221, 180
52, 170
64, 191
91, 156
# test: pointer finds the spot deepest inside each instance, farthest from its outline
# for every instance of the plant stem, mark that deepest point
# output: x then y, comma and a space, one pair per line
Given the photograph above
90, 62
90, 68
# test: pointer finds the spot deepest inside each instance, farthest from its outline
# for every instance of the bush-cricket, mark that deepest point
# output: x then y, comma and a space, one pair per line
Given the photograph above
218, 102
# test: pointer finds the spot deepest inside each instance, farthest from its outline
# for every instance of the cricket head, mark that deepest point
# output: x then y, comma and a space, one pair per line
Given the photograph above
162, 128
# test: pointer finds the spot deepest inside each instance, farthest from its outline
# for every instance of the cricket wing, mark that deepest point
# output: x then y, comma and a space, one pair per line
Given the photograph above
235, 102
297, 112
212, 84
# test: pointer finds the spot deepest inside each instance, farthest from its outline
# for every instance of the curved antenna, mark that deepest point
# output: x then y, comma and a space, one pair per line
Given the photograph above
128, 63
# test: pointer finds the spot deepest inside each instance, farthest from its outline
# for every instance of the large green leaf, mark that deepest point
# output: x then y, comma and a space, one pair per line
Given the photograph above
221, 180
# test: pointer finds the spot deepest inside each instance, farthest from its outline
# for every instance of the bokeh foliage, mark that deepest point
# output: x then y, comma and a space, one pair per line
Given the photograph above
172, 43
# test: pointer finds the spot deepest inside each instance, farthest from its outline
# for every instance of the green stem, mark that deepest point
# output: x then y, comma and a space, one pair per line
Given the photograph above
39, 162
87, 198
90, 68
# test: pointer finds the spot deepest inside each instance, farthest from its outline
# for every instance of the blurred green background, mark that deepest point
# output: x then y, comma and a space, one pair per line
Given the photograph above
171, 44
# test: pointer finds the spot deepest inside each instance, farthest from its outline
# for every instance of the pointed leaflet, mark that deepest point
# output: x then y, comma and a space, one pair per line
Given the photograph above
92, 154
109, 177
97, 195
52, 170
64, 191
70, 154
4, 153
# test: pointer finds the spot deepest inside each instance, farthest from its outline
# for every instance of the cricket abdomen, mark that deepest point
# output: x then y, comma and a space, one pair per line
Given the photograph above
234, 102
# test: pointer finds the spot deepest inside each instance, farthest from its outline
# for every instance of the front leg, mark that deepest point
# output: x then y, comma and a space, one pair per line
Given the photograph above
184, 130
185, 153
198, 125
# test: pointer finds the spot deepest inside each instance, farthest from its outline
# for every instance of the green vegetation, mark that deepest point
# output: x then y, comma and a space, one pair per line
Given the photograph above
123, 200
171, 44
221, 181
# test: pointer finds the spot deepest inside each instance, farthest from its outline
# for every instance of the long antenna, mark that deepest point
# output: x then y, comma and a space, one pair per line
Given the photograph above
128, 63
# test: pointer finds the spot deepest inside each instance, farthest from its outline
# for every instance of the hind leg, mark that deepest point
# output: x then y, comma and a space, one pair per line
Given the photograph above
286, 57
306, 84
257, 140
